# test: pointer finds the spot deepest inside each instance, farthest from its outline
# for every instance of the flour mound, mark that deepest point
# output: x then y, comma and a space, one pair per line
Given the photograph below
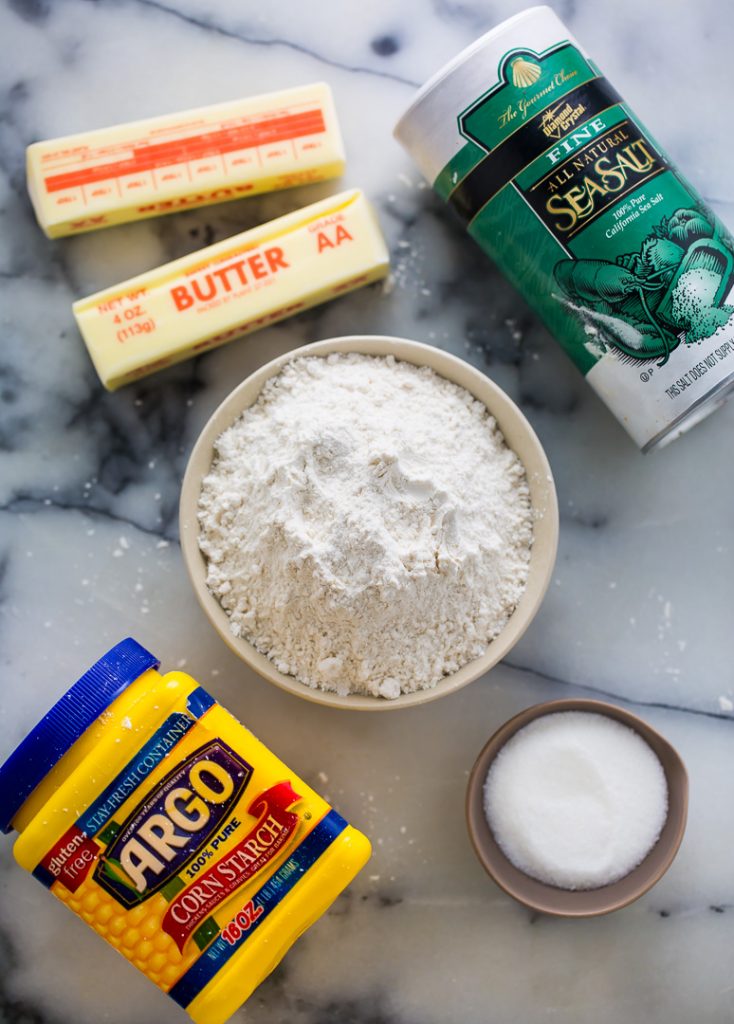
365, 525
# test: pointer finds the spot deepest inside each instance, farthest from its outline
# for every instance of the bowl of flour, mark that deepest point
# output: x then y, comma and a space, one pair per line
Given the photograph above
369, 522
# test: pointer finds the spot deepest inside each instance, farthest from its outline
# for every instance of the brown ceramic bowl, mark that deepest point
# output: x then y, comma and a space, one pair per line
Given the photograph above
547, 899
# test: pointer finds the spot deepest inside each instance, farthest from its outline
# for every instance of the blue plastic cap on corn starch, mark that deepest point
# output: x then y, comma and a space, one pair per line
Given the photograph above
68, 719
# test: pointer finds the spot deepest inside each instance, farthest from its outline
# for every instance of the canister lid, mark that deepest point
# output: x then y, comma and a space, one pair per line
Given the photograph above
61, 727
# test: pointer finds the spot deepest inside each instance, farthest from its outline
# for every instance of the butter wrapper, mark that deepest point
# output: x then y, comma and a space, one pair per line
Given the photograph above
180, 161
232, 288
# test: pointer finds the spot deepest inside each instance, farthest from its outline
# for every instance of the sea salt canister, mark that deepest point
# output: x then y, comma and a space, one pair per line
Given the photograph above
560, 183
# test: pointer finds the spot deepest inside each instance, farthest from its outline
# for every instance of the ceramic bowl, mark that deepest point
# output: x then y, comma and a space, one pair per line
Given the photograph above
548, 899
519, 436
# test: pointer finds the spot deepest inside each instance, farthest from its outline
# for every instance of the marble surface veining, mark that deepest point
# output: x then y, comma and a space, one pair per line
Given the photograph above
640, 605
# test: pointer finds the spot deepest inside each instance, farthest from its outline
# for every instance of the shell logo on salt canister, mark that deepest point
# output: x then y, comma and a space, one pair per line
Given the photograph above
524, 72
175, 822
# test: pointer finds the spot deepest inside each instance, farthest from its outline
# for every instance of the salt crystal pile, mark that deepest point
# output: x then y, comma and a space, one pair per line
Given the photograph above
576, 799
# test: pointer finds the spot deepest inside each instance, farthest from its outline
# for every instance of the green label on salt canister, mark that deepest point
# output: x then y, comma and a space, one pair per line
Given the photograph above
562, 186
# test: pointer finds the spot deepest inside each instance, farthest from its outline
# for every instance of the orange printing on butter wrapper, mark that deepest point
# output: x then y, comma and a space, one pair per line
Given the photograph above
209, 155
229, 289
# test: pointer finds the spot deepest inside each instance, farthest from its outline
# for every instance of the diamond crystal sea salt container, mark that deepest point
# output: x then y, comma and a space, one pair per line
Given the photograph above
557, 180
161, 821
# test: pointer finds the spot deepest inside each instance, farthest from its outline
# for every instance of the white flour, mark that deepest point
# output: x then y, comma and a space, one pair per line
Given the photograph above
365, 525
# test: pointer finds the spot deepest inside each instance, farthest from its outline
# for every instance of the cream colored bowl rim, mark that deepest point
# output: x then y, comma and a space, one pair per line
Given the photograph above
519, 435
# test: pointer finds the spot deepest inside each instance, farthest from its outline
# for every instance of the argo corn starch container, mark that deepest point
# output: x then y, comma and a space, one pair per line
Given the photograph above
171, 830
559, 182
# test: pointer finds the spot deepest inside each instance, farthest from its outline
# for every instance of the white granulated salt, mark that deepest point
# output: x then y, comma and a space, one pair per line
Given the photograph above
576, 799
365, 525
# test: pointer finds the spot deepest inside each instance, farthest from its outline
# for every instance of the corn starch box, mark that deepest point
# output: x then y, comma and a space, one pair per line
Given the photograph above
149, 811
232, 288
178, 161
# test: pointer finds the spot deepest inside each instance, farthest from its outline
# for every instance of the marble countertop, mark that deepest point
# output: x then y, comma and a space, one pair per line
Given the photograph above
639, 610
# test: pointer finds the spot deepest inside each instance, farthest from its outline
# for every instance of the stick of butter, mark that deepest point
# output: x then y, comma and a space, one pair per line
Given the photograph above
164, 164
236, 286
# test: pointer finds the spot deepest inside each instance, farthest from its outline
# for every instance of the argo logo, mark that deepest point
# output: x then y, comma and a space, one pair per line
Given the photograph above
176, 821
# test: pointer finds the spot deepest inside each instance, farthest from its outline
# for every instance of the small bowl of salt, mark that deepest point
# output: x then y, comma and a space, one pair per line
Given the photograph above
577, 807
